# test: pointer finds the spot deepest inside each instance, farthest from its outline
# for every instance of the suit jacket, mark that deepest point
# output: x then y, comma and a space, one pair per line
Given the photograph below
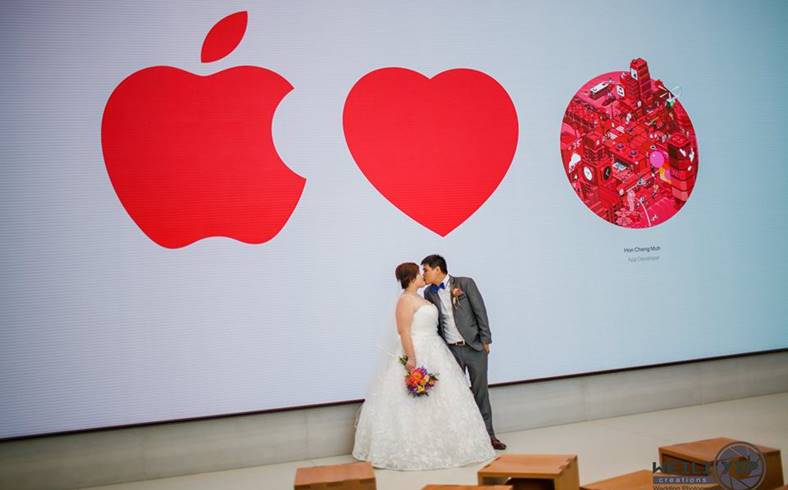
470, 314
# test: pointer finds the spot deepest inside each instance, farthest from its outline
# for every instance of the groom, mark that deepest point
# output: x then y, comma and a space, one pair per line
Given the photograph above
464, 326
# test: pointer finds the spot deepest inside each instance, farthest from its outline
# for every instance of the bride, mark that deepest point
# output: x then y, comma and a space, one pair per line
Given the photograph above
401, 432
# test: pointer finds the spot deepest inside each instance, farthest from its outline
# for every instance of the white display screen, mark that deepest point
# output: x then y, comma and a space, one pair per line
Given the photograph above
192, 228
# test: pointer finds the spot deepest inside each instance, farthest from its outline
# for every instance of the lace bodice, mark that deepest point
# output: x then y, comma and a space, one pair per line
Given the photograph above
425, 321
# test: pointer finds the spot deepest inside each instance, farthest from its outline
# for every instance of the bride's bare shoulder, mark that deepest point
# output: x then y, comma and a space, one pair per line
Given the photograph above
408, 302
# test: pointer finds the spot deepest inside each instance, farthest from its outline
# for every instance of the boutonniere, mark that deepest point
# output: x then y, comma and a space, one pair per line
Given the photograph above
455, 295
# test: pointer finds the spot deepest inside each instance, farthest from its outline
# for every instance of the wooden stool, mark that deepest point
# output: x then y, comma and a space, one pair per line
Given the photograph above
467, 487
353, 476
639, 480
532, 471
672, 458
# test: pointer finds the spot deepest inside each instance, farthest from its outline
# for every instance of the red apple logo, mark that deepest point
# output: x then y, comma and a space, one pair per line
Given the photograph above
436, 148
193, 156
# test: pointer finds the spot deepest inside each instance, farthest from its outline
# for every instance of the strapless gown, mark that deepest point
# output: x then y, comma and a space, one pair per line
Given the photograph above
445, 429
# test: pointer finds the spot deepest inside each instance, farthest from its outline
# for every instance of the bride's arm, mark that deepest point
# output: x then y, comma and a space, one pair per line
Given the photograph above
404, 319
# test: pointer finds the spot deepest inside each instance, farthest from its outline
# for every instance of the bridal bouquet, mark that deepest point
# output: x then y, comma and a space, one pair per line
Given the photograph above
418, 381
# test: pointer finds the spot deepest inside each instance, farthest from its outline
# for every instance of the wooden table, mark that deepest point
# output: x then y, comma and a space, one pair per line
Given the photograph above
532, 471
353, 476
672, 458
638, 480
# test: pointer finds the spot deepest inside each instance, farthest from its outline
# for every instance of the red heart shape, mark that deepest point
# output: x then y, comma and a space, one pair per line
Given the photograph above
436, 148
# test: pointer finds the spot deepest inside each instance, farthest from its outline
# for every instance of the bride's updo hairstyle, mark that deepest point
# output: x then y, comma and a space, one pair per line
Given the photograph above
406, 273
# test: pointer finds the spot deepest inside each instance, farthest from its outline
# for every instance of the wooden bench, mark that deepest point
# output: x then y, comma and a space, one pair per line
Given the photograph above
467, 487
532, 472
353, 476
678, 458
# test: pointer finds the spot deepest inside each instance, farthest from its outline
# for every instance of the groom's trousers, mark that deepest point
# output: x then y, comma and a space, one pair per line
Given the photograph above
476, 364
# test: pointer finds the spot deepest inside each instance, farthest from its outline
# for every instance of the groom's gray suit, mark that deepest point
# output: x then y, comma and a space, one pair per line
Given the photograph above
470, 317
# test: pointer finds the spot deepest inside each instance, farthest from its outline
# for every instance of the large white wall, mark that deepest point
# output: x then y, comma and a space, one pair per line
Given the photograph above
103, 327
158, 451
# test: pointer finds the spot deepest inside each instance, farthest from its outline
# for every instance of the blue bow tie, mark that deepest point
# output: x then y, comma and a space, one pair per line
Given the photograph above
435, 288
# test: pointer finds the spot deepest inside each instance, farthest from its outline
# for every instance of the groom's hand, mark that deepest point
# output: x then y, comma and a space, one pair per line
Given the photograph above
486, 347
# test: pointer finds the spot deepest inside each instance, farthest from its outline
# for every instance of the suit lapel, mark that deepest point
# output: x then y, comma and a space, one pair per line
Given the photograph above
436, 300
450, 286
429, 295
433, 298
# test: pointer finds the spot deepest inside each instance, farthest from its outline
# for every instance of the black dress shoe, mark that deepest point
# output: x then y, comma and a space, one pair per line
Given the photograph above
496, 444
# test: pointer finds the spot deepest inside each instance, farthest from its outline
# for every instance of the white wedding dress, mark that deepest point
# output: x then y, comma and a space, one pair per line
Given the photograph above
443, 430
